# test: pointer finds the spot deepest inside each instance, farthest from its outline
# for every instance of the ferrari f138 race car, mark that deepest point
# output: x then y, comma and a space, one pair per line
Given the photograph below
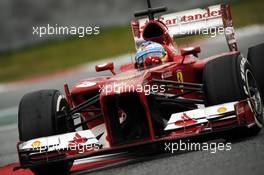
167, 93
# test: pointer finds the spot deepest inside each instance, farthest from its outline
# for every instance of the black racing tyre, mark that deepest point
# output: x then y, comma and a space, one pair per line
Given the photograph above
37, 117
230, 78
256, 60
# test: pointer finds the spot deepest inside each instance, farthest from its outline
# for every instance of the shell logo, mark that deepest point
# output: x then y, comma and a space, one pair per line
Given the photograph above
221, 110
35, 144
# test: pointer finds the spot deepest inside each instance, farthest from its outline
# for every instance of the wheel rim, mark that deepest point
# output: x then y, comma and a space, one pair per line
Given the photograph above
63, 125
254, 96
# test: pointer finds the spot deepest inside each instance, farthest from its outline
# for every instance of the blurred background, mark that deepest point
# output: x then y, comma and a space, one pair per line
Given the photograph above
18, 17
29, 63
20, 49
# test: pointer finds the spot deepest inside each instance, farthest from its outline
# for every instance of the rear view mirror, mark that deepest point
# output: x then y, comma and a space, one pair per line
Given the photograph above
190, 50
106, 66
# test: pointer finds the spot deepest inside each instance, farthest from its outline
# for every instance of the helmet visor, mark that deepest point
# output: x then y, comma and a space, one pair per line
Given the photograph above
141, 60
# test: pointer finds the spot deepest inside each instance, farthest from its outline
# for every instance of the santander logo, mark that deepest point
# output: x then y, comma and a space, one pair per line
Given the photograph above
177, 19
189, 18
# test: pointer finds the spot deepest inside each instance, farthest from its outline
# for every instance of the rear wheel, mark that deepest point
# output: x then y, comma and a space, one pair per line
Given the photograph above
38, 117
230, 78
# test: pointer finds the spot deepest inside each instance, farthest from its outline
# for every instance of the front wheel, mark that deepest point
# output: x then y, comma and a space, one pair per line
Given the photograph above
230, 78
38, 117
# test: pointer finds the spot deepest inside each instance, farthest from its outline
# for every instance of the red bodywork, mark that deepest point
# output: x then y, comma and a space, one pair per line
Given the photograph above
189, 66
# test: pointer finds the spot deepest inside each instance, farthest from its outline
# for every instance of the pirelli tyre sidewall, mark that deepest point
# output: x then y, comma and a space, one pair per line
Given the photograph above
251, 90
230, 78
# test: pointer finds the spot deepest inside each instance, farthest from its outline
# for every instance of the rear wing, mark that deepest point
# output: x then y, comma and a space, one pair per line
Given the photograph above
192, 22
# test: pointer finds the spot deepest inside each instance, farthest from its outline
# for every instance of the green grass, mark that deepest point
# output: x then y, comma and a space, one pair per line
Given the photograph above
59, 55
54, 56
247, 12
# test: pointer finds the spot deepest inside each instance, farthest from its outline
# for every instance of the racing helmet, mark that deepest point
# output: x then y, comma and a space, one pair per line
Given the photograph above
150, 54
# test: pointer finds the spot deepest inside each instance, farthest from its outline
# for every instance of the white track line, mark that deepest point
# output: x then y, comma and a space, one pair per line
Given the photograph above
7, 112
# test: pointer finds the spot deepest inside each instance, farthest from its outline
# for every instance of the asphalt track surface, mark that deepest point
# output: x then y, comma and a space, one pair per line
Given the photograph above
245, 157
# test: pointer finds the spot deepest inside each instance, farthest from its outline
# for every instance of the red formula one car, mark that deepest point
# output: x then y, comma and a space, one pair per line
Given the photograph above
166, 94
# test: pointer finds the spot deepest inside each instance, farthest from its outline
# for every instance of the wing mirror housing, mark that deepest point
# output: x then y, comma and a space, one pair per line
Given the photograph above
105, 66
190, 50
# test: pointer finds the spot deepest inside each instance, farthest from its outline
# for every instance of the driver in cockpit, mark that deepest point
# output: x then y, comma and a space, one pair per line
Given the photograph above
150, 54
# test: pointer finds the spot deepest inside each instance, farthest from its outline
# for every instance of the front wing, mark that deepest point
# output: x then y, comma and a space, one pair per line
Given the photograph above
82, 144
210, 119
